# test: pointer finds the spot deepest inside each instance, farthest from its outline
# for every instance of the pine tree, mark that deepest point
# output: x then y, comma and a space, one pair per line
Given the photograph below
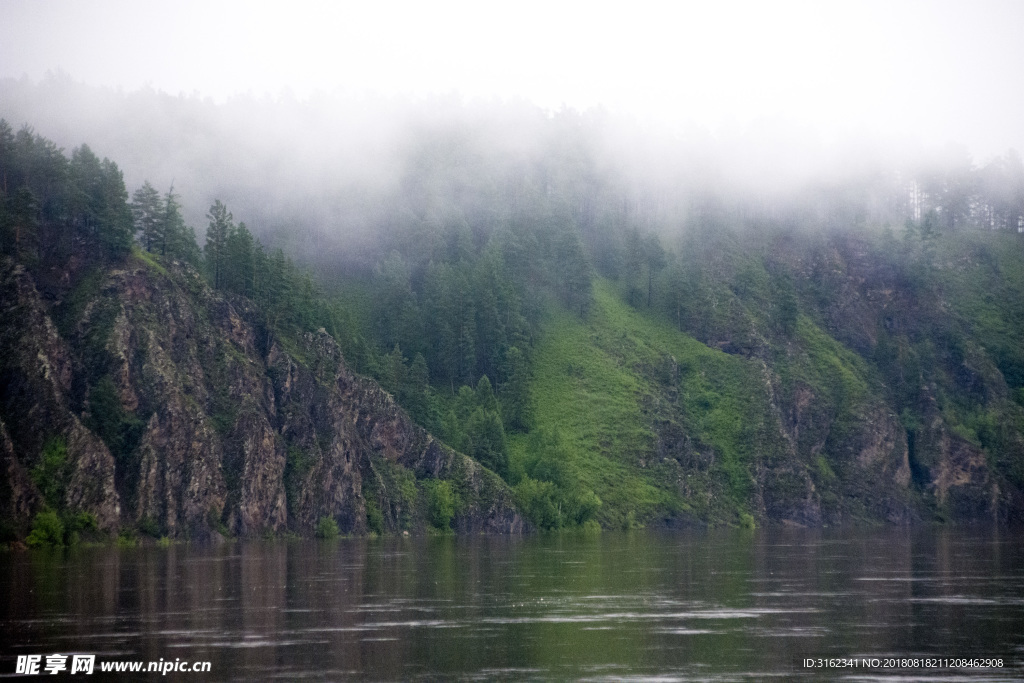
179, 239
397, 315
20, 223
634, 263
149, 215
116, 225
239, 265
99, 203
450, 320
7, 161
221, 223
486, 437
417, 397
654, 256
393, 372
467, 337
516, 401
485, 395
491, 338
40, 166
574, 272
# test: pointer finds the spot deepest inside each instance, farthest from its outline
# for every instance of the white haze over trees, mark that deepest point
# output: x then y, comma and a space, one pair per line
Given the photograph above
321, 123
934, 71
473, 199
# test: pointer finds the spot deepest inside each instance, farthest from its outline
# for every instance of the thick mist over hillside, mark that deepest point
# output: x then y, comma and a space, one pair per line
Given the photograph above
931, 71
332, 180
625, 322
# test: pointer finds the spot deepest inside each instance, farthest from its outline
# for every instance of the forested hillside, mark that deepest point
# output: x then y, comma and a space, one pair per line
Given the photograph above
624, 327
142, 397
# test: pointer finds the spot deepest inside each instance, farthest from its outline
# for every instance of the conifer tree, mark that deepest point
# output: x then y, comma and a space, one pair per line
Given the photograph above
150, 218
179, 239
491, 338
7, 165
654, 256
221, 224
115, 226
20, 223
574, 272
485, 395
486, 440
516, 402
99, 203
38, 165
239, 265
417, 397
634, 262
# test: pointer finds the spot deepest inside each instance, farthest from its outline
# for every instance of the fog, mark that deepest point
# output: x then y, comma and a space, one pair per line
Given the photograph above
930, 71
325, 123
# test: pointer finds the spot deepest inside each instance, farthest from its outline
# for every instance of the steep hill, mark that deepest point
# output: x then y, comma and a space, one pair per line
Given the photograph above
142, 398
549, 340
871, 400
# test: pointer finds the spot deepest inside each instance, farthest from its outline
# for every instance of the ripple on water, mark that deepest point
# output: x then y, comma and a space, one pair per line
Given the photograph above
899, 579
751, 613
294, 674
957, 600
247, 643
503, 673
791, 632
432, 623
705, 614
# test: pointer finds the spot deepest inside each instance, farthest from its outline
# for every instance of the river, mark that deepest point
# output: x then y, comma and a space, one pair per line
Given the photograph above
720, 605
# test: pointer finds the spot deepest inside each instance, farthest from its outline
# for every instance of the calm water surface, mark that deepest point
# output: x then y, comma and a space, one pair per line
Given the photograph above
701, 606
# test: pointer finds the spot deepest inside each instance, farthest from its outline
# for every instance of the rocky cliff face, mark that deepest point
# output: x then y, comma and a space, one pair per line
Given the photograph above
882, 397
140, 396
865, 475
913, 465
36, 377
209, 421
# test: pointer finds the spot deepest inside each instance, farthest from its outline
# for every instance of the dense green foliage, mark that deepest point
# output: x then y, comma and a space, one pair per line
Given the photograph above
615, 353
441, 504
326, 528
53, 207
47, 530
51, 474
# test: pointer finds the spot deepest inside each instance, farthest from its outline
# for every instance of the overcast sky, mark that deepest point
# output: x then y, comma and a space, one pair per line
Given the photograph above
938, 71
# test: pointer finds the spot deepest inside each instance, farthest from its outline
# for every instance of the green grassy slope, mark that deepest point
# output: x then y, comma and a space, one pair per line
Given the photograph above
804, 377
653, 421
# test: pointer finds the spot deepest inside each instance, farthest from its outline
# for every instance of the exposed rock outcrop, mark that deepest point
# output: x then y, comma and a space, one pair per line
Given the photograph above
220, 425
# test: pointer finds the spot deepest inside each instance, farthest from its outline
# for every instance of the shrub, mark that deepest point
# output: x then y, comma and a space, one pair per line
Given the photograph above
213, 519
374, 517
149, 526
51, 474
440, 504
80, 523
539, 502
297, 465
581, 506
747, 521
47, 530
326, 528
126, 539
120, 430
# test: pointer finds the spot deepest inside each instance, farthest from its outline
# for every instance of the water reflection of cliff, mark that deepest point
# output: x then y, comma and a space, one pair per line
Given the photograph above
680, 605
